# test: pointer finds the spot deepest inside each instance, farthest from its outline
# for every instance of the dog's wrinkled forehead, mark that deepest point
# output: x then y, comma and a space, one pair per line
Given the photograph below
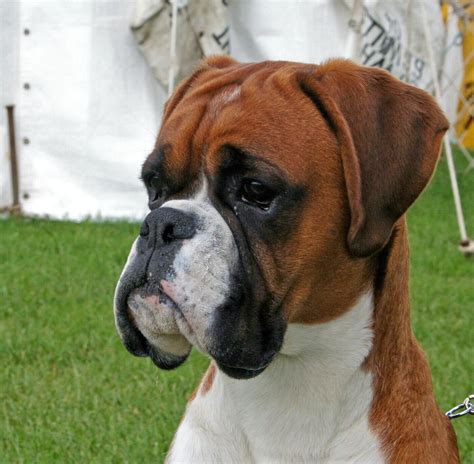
252, 107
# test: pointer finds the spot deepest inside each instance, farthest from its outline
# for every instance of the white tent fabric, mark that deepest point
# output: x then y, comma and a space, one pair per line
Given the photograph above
90, 109
91, 112
389, 36
203, 31
307, 31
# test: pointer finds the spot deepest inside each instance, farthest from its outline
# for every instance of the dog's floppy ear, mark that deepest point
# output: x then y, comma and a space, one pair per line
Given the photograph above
389, 135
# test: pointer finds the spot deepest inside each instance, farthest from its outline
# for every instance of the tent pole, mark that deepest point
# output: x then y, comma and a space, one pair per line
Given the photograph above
15, 209
466, 245
173, 58
354, 28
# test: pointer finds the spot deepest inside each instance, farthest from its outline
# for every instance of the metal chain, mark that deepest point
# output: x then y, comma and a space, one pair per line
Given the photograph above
466, 407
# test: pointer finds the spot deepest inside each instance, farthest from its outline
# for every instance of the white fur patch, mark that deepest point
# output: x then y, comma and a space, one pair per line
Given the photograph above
225, 97
310, 405
202, 268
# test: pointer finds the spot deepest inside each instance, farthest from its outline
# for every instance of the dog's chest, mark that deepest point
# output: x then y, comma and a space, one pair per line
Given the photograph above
286, 422
310, 405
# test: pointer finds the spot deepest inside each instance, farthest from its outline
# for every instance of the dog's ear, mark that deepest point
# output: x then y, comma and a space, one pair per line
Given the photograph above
389, 135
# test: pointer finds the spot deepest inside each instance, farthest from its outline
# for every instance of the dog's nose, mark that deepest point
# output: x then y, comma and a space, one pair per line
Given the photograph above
166, 225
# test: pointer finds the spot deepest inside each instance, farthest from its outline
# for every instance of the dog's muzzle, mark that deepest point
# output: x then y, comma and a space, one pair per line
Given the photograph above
146, 317
186, 283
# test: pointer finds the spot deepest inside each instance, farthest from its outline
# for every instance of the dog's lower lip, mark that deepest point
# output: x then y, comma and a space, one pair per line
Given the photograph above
239, 372
265, 360
245, 368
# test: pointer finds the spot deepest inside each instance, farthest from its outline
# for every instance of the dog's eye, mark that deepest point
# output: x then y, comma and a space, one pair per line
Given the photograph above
255, 193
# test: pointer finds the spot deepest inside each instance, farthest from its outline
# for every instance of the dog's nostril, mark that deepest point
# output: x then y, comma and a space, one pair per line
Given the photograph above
168, 235
166, 225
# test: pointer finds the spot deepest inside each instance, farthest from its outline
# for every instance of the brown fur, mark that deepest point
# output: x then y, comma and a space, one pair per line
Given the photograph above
402, 380
364, 146
208, 379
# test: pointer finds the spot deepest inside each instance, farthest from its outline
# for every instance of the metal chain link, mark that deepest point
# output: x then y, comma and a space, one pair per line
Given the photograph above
466, 407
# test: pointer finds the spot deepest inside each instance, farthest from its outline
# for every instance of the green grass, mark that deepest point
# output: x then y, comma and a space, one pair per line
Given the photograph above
69, 392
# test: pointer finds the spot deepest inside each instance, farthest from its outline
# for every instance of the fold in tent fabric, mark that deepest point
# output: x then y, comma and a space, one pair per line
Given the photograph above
203, 31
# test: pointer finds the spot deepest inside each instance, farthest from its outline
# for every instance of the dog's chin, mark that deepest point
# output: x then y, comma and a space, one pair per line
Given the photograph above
165, 360
145, 334
139, 345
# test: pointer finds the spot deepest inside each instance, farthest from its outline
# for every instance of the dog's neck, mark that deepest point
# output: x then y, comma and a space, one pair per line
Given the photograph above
314, 396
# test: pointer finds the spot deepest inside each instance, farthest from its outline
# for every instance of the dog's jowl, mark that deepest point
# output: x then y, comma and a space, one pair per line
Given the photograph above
276, 244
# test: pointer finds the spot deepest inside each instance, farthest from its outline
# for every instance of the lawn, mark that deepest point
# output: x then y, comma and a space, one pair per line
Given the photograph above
69, 392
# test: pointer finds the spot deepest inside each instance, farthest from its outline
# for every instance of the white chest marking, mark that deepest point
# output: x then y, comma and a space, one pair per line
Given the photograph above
310, 405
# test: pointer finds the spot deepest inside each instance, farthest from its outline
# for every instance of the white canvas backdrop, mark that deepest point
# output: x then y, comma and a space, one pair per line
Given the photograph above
91, 112
307, 31
93, 108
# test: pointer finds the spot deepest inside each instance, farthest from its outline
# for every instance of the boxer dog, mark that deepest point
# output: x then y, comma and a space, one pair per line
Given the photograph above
276, 244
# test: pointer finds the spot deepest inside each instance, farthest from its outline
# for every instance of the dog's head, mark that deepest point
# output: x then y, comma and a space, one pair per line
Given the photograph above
272, 186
